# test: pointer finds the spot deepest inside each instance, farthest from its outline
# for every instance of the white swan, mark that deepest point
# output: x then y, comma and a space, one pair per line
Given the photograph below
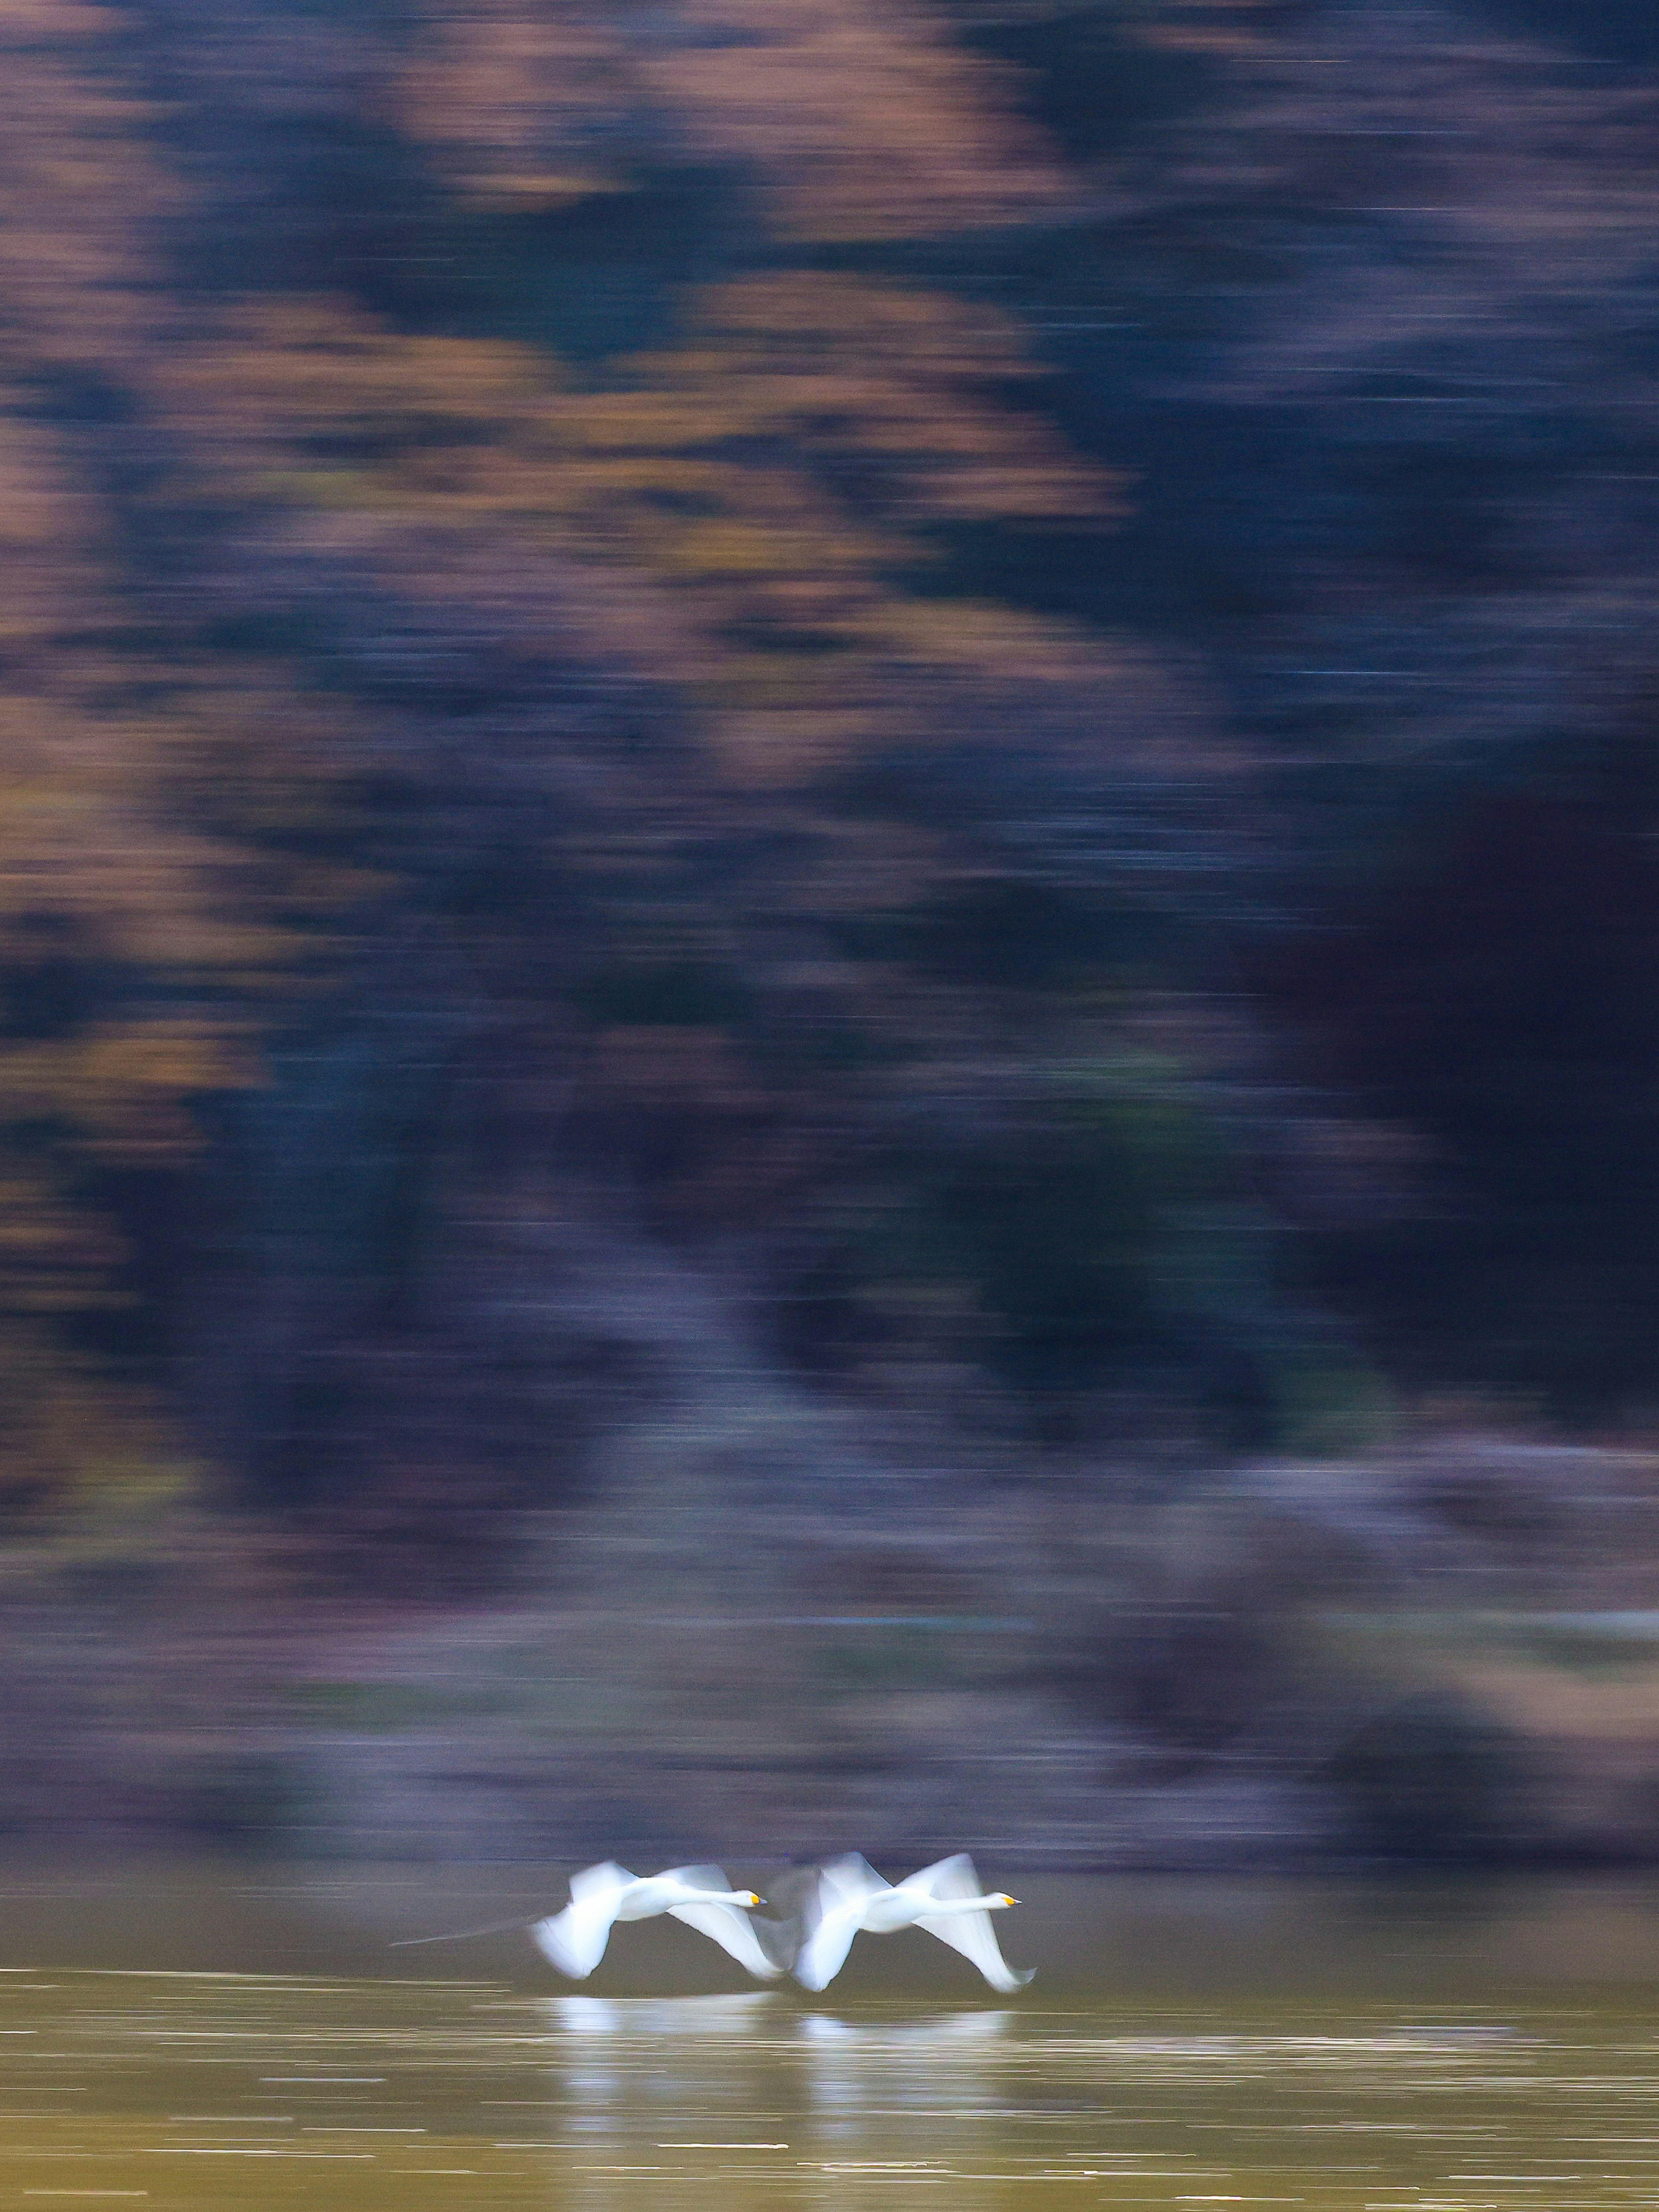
943, 1898
574, 1940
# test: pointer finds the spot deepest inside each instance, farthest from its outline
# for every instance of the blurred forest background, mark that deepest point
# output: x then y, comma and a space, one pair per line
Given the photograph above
828, 925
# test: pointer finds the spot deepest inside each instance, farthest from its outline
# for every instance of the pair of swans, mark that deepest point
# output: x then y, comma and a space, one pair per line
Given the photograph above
848, 1895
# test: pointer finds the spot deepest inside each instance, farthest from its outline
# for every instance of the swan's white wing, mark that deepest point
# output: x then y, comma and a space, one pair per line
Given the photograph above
697, 1877
574, 1940
951, 1877
833, 1915
728, 1926
852, 1875
765, 1946
594, 1880
821, 1955
972, 1934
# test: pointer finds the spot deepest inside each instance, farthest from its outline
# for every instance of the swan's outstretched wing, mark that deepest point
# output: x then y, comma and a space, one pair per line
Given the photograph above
951, 1877
596, 1881
835, 1912
852, 1875
574, 1940
972, 1934
728, 1926
697, 1877
821, 1956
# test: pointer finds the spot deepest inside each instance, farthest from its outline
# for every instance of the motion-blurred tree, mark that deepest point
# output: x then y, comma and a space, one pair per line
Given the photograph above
346, 624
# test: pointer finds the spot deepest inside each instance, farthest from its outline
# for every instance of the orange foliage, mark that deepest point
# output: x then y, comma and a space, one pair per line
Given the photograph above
524, 107
858, 116
859, 119
746, 503
100, 875
770, 474
81, 194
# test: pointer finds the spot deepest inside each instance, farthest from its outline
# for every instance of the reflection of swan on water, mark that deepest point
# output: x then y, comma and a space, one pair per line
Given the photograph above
944, 1899
617, 2059
962, 2031
853, 2070
600, 1896
667, 2016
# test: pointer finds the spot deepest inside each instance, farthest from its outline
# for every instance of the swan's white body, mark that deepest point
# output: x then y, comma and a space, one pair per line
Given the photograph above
600, 1896
944, 1900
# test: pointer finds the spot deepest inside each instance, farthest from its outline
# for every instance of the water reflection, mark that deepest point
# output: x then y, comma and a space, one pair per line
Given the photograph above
754, 2093
854, 2068
913, 2081
671, 2016
1486, 2086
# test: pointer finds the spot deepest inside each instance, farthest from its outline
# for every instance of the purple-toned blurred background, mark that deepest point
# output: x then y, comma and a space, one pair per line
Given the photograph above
828, 928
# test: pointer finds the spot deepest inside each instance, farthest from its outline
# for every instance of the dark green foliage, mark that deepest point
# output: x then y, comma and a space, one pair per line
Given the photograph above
1098, 1237
1063, 1229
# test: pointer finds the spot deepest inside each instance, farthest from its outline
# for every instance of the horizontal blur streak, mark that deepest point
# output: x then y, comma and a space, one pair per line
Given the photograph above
829, 832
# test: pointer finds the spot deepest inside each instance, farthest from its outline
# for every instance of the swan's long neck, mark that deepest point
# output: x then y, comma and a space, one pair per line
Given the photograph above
968, 1904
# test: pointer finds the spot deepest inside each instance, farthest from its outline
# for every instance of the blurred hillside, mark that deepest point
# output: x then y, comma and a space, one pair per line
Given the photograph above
829, 815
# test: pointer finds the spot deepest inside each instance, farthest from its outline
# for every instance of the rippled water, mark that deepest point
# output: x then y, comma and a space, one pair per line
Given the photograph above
207, 2037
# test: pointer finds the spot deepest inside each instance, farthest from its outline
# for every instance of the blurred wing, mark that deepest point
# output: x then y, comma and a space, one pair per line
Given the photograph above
821, 1956
951, 1877
779, 1939
852, 1874
698, 1877
592, 1881
972, 1934
728, 1926
574, 1940
833, 1915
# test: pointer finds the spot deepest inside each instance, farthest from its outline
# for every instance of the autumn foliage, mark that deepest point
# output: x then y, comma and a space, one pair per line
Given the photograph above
562, 619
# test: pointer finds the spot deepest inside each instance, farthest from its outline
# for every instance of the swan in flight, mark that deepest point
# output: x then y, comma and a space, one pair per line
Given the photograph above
943, 1898
574, 1940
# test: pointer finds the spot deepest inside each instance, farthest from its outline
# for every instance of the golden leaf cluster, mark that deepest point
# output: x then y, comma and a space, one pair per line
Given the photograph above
851, 118
758, 488
770, 474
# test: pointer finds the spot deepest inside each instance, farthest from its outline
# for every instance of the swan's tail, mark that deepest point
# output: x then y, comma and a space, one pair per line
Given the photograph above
462, 1934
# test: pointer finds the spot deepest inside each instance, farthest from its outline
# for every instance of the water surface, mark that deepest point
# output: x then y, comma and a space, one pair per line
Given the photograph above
211, 2037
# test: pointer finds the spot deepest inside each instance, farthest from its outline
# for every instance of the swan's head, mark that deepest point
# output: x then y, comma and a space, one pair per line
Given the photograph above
750, 1897
1003, 1897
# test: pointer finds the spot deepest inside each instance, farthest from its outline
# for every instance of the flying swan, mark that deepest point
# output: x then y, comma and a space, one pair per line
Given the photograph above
574, 1940
945, 1899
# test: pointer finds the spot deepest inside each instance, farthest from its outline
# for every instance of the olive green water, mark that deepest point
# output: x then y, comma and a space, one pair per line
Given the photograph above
211, 2037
